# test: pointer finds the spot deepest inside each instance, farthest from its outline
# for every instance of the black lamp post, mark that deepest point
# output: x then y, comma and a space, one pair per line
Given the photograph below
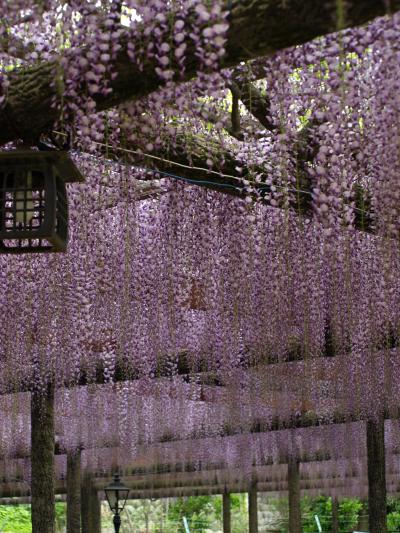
117, 494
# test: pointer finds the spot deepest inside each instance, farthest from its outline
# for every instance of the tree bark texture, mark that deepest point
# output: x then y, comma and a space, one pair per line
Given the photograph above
376, 475
294, 496
42, 462
74, 492
226, 512
90, 507
335, 515
257, 28
253, 508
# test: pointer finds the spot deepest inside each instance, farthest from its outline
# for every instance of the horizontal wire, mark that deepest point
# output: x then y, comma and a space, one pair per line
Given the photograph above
209, 171
182, 165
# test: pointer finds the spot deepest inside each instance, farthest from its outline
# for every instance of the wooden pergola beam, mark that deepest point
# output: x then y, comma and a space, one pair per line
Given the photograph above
22, 494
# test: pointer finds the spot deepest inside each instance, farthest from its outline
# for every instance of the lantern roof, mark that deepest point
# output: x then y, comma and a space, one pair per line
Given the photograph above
60, 159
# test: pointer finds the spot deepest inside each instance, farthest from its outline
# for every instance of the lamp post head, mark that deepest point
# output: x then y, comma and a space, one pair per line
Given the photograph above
117, 494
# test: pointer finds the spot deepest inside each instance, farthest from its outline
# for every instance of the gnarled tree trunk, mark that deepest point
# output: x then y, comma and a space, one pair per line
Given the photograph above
376, 475
294, 496
42, 462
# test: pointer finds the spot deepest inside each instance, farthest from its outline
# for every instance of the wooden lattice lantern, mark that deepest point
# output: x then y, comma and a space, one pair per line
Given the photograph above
33, 200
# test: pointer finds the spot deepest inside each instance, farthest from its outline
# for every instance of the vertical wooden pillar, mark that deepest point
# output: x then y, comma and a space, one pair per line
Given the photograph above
253, 508
376, 475
74, 492
42, 461
294, 496
335, 515
90, 507
95, 512
226, 512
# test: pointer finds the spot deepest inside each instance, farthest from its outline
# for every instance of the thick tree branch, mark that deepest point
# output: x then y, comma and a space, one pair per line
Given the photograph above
188, 160
255, 102
257, 28
235, 114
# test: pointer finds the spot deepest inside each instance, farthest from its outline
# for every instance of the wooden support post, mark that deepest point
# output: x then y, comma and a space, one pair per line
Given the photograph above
95, 512
74, 492
226, 512
253, 508
294, 496
90, 507
376, 475
335, 515
42, 462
